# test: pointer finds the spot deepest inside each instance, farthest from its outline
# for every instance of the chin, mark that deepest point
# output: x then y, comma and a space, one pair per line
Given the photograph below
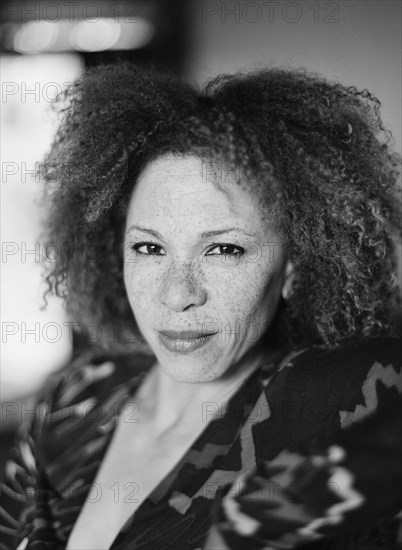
192, 374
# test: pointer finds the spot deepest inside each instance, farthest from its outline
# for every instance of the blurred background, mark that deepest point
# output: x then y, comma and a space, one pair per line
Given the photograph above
46, 45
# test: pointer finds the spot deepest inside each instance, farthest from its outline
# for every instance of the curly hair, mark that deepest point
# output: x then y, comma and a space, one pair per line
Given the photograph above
316, 153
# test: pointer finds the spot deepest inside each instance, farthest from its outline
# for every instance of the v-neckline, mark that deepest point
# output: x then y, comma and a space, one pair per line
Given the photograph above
246, 394
230, 423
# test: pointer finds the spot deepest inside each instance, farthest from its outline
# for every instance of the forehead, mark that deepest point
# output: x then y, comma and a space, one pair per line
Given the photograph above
190, 188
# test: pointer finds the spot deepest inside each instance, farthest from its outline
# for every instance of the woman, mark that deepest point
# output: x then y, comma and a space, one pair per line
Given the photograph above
232, 248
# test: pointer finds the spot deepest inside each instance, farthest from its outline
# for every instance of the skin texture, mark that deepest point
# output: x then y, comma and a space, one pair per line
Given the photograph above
185, 282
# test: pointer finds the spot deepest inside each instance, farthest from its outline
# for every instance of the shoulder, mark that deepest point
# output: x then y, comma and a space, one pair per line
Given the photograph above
92, 374
320, 389
355, 366
86, 390
357, 354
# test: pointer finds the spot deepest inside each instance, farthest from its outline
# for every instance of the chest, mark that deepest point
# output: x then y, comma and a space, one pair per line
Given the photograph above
134, 465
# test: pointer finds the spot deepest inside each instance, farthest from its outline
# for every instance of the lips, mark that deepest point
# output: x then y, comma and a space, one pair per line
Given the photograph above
184, 341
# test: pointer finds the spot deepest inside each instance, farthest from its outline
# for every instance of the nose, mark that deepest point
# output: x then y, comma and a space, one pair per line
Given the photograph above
182, 287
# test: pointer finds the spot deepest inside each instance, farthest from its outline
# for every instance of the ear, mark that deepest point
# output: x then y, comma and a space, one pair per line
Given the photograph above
288, 279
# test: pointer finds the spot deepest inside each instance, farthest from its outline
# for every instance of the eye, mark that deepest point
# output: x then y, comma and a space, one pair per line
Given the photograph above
149, 249
226, 250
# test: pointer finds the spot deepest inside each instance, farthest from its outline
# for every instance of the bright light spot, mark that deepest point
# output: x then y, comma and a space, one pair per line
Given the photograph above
134, 35
84, 36
29, 124
95, 37
36, 37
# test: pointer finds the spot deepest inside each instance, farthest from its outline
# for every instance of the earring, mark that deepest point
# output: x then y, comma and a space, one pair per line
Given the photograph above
287, 286
286, 293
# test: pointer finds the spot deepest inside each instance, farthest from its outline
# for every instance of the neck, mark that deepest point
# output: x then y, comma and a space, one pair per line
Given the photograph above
171, 403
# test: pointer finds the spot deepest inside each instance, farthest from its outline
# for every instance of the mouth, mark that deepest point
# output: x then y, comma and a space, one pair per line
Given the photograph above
184, 341
185, 334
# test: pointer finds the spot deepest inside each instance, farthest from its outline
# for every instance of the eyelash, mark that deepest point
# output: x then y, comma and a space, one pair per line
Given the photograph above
239, 250
238, 254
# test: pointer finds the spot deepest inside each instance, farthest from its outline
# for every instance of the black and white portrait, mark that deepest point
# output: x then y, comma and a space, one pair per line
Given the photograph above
201, 263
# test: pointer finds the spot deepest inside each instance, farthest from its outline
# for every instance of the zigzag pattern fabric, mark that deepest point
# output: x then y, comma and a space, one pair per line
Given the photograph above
306, 420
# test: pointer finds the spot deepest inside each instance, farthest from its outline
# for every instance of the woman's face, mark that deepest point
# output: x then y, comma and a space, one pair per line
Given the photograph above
203, 269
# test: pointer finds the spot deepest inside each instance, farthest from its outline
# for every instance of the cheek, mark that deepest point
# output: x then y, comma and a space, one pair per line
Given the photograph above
247, 294
140, 284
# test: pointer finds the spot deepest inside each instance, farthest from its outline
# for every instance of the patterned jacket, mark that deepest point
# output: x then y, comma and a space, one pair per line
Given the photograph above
306, 452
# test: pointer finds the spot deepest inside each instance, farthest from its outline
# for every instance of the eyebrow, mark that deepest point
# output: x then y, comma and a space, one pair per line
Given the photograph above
204, 235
